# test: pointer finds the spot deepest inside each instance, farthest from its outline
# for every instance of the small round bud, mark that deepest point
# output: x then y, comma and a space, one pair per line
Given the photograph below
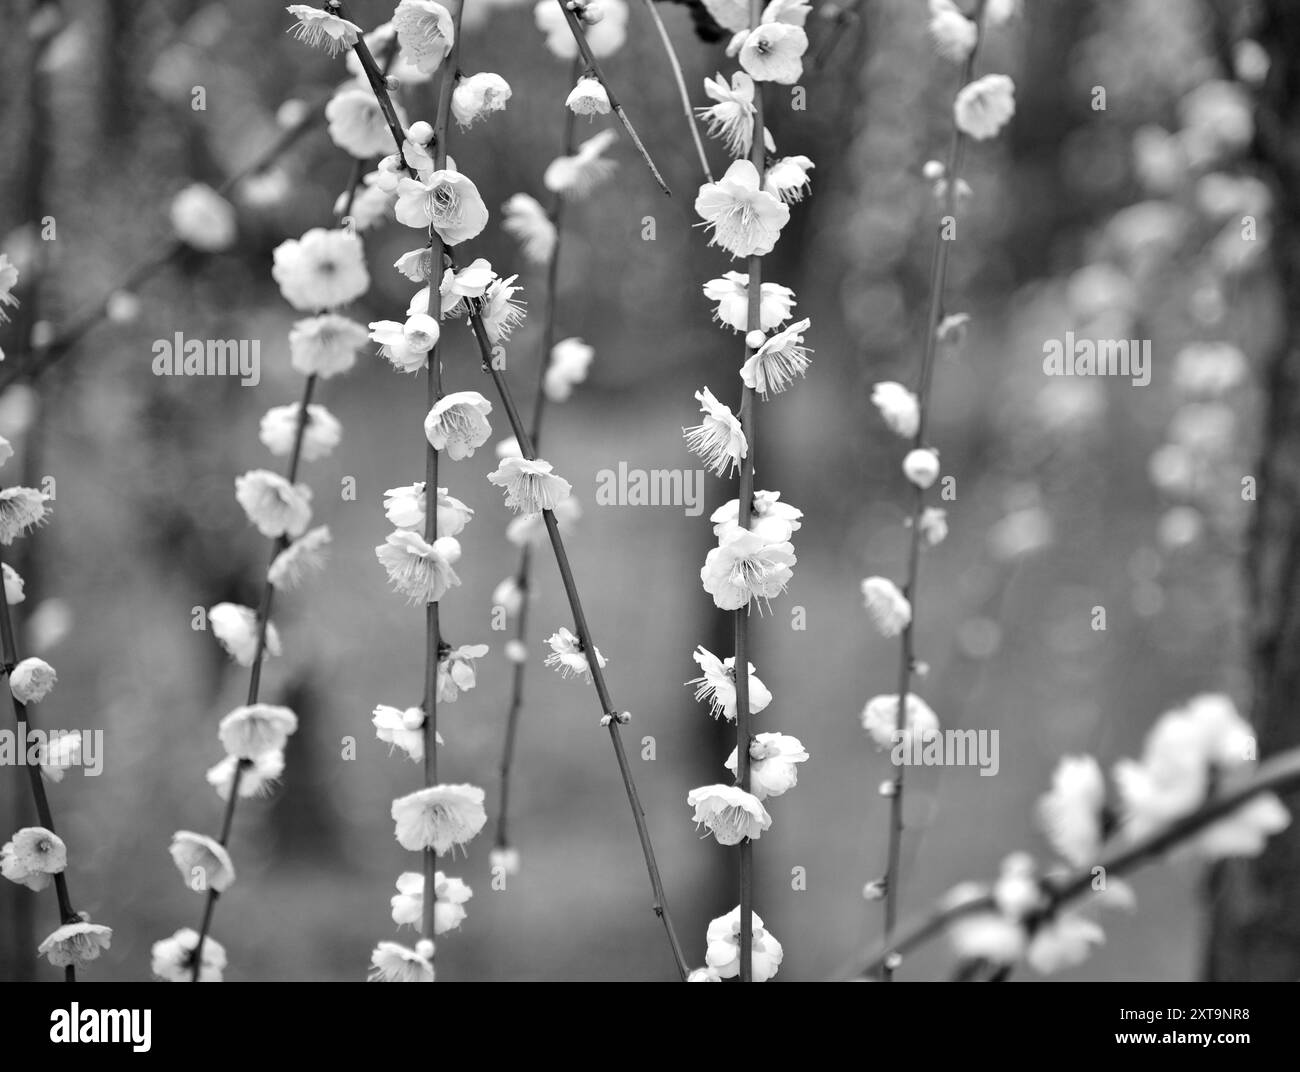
448, 547
888, 788
122, 307
420, 133
893, 961
624, 717
291, 113
425, 948
755, 339
516, 651
921, 467
392, 83
874, 891
412, 718
606, 720
933, 170
592, 14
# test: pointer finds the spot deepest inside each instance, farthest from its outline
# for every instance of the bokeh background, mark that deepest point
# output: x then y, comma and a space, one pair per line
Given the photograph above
1122, 221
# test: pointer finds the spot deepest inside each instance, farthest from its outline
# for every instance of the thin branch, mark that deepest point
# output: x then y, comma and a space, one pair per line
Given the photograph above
682, 91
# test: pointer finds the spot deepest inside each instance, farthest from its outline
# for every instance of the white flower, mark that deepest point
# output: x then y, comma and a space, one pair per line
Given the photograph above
236, 629
570, 360
898, 407
953, 33
934, 525
401, 729
500, 311
530, 529
524, 219
252, 731
381, 40
888, 607
450, 895
275, 506
320, 270
31, 680
723, 955
405, 509
439, 817
305, 555
394, 963
704, 975
20, 509
506, 858
8, 280
987, 936
323, 29
729, 813
356, 123
62, 753
419, 570
416, 264
458, 424
278, 431
204, 864
745, 219
921, 467
172, 959
588, 98
202, 218
1064, 941
718, 440
579, 174
769, 518
775, 364
731, 292
788, 179
6, 450
471, 281
985, 106
325, 345
530, 485
999, 12
1071, 814
447, 201
406, 345
732, 15
75, 944
1209, 369
14, 586
568, 655
774, 53
509, 595
732, 117
425, 32
257, 777
743, 567
718, 685
880, 718
604, 37
773, 764
456, 670
32, 856
478, 96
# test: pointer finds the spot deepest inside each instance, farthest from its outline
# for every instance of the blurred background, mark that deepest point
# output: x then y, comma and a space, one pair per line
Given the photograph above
1122, 220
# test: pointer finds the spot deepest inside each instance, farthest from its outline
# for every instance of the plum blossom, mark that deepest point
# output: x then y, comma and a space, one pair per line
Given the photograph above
417, 569
458, 424
237, 628
744, 567
718, 440
569, 657
773, 768
744, 219
888, 607
321, 270
530, 485
439, 817
717, 685
723, 955
729, 813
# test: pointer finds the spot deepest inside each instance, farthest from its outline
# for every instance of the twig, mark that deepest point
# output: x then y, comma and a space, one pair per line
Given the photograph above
682, 91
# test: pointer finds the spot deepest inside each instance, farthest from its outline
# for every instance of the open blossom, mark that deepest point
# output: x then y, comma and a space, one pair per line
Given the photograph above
717, 685
1064, 941
391, 962
456, 670
32, 857
62, 753
880, 717
405, 509
20, 509
588, 98
416, 264
402, 729
478, 96
788, 179
447, 201
921, 467
985, 106
254, 730
744, 567
204, 863
570, 360
75, 944
172, 959
14, 585
500, 311
769, 518
31, 680
325, 345
745, 219
450, 895
509, 595
530, 485
419, 570
723, 955
718, 440
888, 607
934, 525
775, 364
236, 629
898, 407
323, 29
321, 270
774, 52
530, 529
356, 123
258, 775
604, 37
458, 424
278, 431
731, 292
406, 346
458, 287
568, 655
579, 174
439, 817
275, 506
1072, 814
732, 118
773, 768
305, 555
203, 219
425, 32
729, 813
952, 32
8, 280
524, 220
988, 936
